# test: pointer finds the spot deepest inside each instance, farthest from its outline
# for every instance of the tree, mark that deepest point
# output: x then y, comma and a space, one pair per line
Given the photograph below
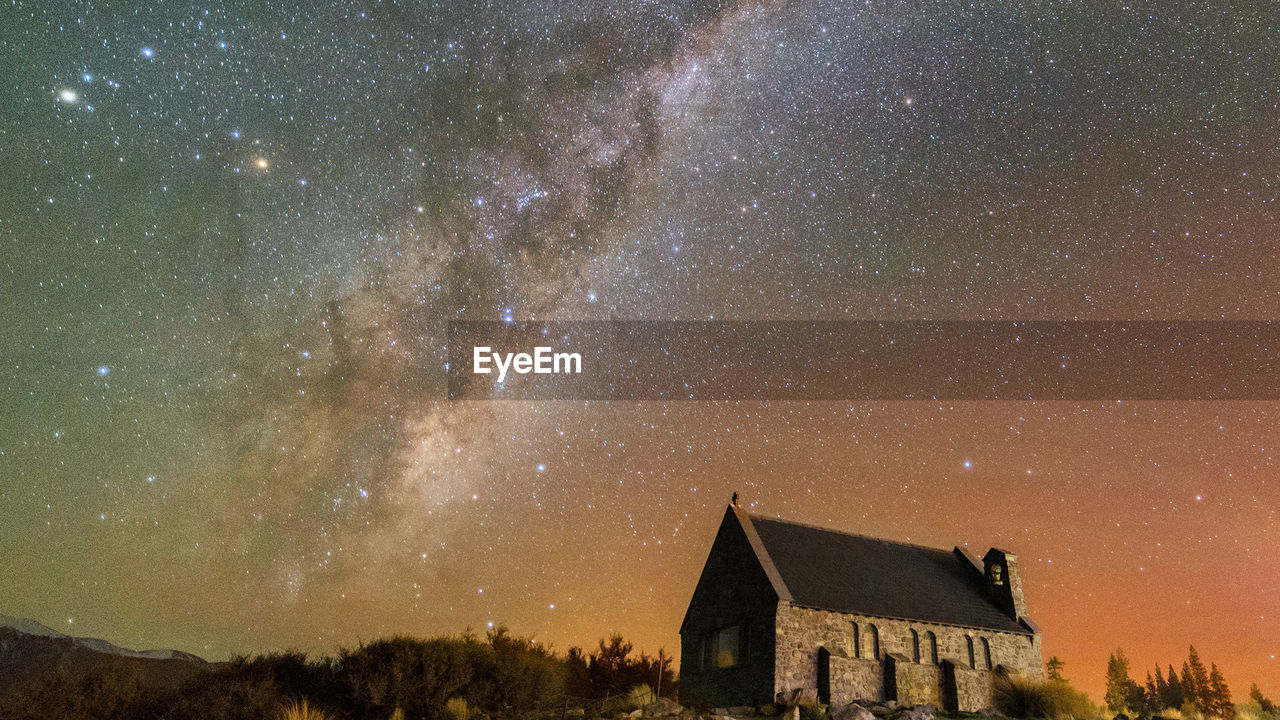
1151, 693
1055, 666
577, 680
1173, 697
1265, 705
1195, 681
611, 669
1137, 700
1219, 697
1119, 683
1162, 689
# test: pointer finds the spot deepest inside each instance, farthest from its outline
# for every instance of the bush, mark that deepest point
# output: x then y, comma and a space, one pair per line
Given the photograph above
1018, 697
447, 678
502, 676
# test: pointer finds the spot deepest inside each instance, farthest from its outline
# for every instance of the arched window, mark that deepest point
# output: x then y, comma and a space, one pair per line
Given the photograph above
875, 642
968, 640
933, 647
915, 646
857, 642
986, 651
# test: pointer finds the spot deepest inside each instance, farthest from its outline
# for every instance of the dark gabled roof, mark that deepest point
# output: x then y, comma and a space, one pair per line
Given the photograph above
831, 570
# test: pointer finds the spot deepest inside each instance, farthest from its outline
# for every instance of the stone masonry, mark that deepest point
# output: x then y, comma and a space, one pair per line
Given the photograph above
783, 607
856, 674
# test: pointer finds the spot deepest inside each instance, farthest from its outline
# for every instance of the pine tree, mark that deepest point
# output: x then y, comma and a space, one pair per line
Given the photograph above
1265, 705
1118, 682
1195, 682
1055, 666
1151, 692
1174, 698
1161, 688
1219, 699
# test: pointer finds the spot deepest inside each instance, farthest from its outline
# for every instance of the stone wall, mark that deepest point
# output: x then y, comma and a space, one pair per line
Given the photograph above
973, 688
915, 683
858, 673
855, 677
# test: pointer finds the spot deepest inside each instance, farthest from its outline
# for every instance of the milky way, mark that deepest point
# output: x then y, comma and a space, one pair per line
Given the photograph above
234, 238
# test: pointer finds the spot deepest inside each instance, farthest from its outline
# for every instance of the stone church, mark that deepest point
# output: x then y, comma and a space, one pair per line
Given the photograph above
783, 607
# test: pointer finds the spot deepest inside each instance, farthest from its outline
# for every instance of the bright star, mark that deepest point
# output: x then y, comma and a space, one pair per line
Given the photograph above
148, 52
968, 464
68, 96
103, 370
262, 163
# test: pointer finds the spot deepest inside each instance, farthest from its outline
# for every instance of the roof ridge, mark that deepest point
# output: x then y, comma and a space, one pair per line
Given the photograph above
864, 536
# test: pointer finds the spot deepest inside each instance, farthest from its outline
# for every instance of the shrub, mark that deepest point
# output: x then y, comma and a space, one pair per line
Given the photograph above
1019, 697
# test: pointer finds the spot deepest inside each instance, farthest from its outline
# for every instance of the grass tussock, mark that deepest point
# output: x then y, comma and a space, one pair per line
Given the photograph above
641, 695
303, 710
458, 709
1025, 699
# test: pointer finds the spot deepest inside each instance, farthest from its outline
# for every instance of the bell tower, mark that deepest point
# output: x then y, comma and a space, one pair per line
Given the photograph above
1004, 582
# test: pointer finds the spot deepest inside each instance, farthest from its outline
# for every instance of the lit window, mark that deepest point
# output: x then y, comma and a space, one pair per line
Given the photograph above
728, 646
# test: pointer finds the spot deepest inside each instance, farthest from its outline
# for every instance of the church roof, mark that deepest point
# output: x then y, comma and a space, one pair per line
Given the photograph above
831, 570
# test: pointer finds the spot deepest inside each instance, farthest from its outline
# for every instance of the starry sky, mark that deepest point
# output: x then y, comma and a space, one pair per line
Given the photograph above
234, 235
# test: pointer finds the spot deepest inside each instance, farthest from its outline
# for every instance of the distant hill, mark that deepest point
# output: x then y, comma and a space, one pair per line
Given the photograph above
28, 626
32, 654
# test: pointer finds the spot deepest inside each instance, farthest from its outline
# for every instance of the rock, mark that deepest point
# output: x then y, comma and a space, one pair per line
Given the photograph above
662, 707
767, 710
575, 712
741, 710
989, 712
852, 711
879, 710
635, 713
917, 712
722, 711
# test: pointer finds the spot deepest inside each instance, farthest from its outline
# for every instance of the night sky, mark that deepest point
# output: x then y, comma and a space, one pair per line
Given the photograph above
233, 237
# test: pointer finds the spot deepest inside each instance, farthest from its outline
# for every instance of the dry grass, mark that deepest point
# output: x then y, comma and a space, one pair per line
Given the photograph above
1026, 699
302, 710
